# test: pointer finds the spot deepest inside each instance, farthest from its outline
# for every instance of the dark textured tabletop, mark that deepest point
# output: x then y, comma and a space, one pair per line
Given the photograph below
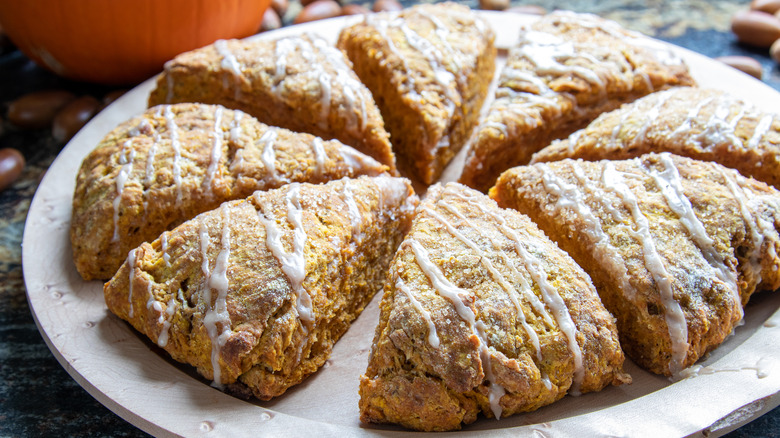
37, 396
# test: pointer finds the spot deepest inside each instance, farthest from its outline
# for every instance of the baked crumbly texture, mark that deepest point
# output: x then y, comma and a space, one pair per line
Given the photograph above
301, 83
255, 293
429, 69
705, 124
675, 246
483, 313
565, 70
171, 163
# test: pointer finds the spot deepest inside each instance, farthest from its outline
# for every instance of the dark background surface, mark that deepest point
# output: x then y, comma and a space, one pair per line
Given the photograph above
37, 396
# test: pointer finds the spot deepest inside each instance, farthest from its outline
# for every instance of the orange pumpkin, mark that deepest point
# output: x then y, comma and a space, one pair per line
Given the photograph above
122, 41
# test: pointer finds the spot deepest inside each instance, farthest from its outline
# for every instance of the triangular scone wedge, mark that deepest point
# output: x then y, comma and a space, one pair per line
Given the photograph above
299, 82
705, 124
565, 70
255, 293
429, 68
483, 313
675, 246
165, 166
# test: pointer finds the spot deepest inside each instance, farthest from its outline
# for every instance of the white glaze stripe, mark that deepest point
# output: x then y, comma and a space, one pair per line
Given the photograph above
525, 288
131, 266
433, 337
218, 281
570, 197
268, 156
550, 295
761, 129
319, 156
126, 160
674, 315
455, 295
293, 263
497, 276
216, 153
671, 186
173, 133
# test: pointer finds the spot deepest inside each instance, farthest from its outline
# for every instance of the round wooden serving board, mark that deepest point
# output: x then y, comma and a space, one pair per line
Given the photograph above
129, 374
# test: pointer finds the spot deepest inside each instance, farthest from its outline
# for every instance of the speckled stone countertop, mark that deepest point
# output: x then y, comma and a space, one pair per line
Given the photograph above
37, 396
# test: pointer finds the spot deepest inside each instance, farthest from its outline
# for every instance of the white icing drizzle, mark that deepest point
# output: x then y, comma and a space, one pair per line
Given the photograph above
382, 26
126, 160
170, 310
131, 265
235, 126
355, 218
546, 51
433, 336
173, 133
319, 156
651, 116
491, 268
216, 313
216, 153
758, 228
164, 248
525, 288
353, 108
268, 156
674, 315
671, 187
550, 295
293, 263
455, 295
761, 129
229, 62
570, 197
434, 57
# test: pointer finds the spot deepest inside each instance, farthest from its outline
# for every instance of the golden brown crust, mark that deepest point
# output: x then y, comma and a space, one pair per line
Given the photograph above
232, 286
566, 70
704, 124
165, 166
477, 316
300, 83
656, 226
429, 69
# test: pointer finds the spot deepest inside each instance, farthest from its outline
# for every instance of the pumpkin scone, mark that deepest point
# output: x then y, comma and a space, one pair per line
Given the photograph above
300, 82
705, 124
171, 163
675, 246
429, 68
255, 293
483, 313
565, 70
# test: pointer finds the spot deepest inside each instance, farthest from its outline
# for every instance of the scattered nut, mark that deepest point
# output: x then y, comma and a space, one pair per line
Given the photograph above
774, 51
354, 9
318, 10
744, 64
768, 6
11, 166
37, 110
73, 117
280, 6
493, 5
387, 5
271, 20
528, 9
756, 28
